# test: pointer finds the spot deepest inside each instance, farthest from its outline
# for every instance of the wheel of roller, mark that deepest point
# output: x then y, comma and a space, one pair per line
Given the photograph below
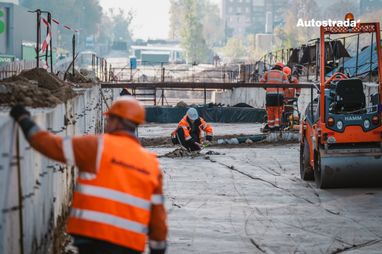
318, 172
306, 171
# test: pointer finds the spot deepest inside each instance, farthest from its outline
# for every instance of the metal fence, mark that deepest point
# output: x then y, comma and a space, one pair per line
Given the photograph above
35, 192
13, 68
174, 73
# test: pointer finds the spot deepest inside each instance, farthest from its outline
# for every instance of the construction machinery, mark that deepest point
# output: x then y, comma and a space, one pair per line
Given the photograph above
341, 132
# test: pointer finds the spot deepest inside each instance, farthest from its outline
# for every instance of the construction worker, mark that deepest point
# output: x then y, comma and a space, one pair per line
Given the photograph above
274, 98
290, 94
189, 132
118, 198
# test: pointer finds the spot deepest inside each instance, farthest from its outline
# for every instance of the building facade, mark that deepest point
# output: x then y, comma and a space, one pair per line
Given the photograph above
243, 17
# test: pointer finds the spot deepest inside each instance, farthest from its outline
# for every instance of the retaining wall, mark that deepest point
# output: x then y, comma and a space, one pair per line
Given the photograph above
35, 192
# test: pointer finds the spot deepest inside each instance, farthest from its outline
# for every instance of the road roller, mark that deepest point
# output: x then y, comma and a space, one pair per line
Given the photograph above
341, 132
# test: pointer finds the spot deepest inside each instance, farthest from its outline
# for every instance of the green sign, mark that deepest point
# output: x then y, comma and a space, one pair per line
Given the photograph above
2, 24
4, 59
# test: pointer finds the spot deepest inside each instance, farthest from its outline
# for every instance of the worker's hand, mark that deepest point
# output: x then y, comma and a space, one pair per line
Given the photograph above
18, 112
199, 145
209, 138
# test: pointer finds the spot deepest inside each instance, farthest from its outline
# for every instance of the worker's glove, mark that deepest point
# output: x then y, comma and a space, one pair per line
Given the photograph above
18, 111
22, 116
209, 138
174, 140
192, 145
198, 145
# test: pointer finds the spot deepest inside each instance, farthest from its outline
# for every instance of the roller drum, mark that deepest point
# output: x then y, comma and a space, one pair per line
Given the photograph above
348, 168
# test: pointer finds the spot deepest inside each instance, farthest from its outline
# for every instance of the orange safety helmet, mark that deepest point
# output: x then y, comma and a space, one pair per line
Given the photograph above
287, 71
280, 64
129, 108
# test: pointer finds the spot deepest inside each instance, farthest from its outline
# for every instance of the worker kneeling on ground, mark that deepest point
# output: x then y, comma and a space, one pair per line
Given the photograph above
189, 132
118, 198
274, 98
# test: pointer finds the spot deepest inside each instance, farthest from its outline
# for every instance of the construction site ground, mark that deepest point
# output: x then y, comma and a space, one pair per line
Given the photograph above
250, 199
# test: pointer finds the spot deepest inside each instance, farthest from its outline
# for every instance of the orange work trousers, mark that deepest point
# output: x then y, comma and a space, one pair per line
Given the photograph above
274, 116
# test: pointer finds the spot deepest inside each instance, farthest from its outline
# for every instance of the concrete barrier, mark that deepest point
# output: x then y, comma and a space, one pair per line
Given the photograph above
252, 96
35, 192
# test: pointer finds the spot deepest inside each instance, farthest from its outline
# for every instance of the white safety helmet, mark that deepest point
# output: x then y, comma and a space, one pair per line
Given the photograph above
192, 114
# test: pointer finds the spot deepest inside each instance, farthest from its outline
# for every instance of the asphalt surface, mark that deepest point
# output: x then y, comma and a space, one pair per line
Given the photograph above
251, 200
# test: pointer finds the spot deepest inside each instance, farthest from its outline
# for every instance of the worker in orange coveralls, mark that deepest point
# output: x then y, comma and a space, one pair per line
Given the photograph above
189, 132
118, 199
274, 98
291, 93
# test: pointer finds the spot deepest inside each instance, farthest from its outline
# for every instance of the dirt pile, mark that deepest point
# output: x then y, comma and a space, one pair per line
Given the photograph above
181, 152
213, 153
78, 77
35, 88
160, 141
166, 141
181, 104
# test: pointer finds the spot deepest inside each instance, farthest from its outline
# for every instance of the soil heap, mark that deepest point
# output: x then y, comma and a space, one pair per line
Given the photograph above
35, 88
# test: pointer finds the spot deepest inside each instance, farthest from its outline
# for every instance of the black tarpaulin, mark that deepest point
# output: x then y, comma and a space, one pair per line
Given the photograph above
334, 49
210, 114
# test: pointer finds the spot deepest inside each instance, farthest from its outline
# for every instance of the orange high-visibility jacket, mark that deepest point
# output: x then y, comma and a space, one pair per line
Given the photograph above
207, 128
274, 77
290, 93
119, 193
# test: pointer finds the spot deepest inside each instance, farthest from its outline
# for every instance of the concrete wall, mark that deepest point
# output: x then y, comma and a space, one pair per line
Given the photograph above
252, 96
34, 191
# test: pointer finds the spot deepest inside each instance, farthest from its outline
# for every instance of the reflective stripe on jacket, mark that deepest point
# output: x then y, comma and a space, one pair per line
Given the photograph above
115, 205
274, 77
184, 123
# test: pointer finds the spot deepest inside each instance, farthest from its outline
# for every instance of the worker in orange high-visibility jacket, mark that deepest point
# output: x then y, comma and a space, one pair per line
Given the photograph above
274, 97
118, 199
290, 94
189, 132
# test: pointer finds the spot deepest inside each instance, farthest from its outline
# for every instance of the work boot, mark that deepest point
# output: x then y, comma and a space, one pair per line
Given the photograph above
265, 129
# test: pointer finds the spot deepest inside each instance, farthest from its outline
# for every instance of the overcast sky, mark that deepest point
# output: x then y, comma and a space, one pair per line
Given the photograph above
151, 16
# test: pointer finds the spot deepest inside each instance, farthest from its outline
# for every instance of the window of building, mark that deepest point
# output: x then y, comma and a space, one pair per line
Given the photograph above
238, 9
230, 10
246, 9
